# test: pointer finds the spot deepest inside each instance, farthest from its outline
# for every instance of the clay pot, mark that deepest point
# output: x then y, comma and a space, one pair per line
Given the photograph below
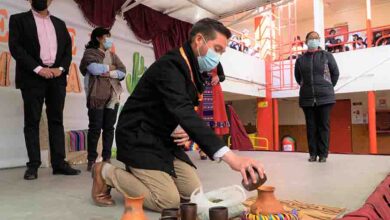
266, 202
188, 211
172, 212
218, 213
133, 209
252, 186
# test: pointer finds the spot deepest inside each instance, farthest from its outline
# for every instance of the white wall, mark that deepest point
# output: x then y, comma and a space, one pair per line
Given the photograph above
75, 113
244, 74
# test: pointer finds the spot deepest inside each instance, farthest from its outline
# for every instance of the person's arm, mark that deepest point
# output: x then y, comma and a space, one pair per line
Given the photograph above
66, 58
297, 73
97, 69
120, 71
171, 85
16, 48
117, 74
333, 68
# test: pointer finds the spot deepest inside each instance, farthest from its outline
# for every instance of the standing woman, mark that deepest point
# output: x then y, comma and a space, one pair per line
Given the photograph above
103, 71
317, 73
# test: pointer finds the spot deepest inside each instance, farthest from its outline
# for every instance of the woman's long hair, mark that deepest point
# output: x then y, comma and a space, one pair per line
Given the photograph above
96, 33
308, 34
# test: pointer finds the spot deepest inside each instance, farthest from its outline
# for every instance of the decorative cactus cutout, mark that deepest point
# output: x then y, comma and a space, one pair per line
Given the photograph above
138, 69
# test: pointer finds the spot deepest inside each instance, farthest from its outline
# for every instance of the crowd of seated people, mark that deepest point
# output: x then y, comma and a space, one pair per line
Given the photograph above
243, 43
335, 44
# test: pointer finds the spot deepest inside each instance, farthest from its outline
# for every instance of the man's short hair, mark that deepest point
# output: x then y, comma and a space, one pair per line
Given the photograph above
207, 27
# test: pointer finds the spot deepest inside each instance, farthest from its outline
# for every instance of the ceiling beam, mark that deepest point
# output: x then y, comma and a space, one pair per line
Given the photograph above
127, 2
249, 8
129, 7
279, 3
172, 10
247, 15
202, 7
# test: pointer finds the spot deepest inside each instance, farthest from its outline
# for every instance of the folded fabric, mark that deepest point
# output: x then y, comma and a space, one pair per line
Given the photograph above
77, 140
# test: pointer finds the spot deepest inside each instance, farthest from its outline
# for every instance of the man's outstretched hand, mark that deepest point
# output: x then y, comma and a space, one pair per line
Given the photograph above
243, 164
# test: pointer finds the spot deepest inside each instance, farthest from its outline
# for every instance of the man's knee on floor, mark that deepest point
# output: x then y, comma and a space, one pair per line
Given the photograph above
187, 190
167, 200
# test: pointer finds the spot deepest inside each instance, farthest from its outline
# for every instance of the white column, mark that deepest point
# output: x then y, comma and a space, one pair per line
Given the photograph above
319, 25
368, 7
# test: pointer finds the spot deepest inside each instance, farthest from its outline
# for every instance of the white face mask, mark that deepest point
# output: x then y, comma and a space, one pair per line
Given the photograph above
313, 44
108, 43
209, 61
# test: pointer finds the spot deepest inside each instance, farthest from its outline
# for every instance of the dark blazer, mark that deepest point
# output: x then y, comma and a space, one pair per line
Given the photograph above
25, 49
220, 73
316, 73
164, 97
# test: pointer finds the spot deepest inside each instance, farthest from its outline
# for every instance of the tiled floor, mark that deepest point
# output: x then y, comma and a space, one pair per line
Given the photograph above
344, 181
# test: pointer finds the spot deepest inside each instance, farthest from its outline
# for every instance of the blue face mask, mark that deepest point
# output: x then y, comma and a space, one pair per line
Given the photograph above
209, 61
108, 43
313, 44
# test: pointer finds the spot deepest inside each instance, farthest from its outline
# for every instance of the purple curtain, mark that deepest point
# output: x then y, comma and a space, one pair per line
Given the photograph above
239, 137
100, 12
163, 31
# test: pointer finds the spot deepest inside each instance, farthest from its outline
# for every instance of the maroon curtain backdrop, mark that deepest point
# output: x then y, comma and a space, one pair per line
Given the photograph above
239, 137
163, 31
100, 12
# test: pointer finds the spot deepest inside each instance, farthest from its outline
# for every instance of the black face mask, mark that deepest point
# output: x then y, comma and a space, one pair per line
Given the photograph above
39, 5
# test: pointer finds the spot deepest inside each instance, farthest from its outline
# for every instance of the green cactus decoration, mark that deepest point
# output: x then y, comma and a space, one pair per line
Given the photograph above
138, 69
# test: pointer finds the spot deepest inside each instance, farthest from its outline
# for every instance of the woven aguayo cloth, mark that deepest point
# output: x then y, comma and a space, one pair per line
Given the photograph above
307, 211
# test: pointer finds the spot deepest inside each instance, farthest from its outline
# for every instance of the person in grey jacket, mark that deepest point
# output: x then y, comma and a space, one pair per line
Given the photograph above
317, 73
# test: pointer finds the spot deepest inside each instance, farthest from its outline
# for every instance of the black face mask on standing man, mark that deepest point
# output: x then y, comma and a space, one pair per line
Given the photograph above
39, 5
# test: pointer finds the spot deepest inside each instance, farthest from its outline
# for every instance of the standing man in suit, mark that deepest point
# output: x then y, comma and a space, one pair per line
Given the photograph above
42, 47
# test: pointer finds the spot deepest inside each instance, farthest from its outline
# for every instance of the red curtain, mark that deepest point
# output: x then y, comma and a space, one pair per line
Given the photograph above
239, 137
148, 25
100, 12
163, 31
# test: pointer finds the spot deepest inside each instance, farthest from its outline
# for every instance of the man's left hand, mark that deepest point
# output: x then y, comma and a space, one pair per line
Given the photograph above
243, 164
56, 72
214, 80
180, 137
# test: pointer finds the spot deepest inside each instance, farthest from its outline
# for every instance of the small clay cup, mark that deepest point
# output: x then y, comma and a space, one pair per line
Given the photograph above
218, 213
188, 211
170, 212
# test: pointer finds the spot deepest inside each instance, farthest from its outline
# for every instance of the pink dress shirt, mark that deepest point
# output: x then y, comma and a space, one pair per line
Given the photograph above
47, 39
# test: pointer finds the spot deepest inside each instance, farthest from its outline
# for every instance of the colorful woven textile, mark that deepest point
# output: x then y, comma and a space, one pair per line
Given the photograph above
191, 146
212, 107
77, 140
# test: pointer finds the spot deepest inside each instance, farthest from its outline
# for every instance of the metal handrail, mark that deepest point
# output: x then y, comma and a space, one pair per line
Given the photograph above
381, 38
253, 141
256, 147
